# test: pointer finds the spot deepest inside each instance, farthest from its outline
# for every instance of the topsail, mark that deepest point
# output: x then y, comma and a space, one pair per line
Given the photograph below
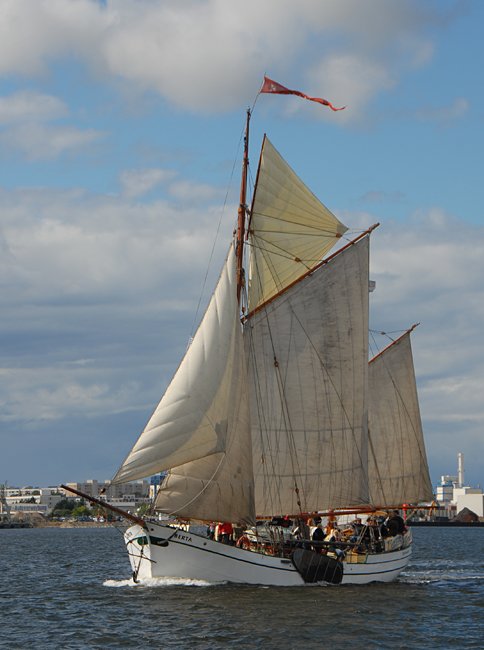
290, 229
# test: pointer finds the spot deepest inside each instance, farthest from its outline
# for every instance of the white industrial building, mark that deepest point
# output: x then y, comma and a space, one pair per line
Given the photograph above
453, 495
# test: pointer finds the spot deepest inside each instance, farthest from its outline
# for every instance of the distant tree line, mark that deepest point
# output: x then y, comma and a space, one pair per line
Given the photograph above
74, 509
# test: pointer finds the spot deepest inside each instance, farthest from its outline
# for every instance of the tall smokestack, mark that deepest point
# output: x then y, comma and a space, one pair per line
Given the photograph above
460, 468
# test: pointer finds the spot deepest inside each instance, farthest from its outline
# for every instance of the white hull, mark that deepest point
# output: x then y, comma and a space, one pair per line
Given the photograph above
166, 552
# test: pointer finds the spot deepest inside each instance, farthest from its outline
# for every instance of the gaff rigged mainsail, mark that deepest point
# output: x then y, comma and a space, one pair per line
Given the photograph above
308, 352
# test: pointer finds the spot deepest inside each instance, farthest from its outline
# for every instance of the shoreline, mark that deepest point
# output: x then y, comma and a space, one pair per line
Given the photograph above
447, 524
105, 524
57, 524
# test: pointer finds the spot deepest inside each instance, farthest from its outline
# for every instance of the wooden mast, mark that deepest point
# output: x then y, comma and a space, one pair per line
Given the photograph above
239, 250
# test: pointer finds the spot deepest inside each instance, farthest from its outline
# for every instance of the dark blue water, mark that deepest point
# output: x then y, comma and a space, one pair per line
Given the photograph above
70, 588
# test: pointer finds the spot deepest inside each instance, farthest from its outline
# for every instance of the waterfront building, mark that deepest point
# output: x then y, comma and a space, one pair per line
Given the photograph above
126, 496
132, 491
155, 482
30, 500
453, 495
471, 498
444, 493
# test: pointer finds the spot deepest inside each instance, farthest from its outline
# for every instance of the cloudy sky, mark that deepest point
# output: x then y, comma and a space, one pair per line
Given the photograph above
120, 128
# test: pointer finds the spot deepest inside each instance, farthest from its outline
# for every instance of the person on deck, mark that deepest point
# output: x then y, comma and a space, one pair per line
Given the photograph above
395, 524
225, 532
331, 532
211, 530
318, 536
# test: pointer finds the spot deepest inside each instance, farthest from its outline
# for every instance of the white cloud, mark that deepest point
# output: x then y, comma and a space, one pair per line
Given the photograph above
26, 116
423, 52
56, 391
452, 399
192, 192
92, 291
41, 141
378, 196
30, 106
34, 33
69, 245
457, 109
352, 80
210, 55
136, 182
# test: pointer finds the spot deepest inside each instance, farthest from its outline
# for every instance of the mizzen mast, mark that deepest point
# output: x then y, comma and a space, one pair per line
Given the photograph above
242, 211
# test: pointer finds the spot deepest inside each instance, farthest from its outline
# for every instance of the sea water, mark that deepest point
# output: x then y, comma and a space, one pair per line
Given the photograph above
71, 588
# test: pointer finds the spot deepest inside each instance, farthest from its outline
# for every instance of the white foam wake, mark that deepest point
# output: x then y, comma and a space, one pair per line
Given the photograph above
436, 576
159, 582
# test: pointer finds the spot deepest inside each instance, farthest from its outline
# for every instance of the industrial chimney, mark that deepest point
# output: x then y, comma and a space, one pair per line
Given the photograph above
460, 469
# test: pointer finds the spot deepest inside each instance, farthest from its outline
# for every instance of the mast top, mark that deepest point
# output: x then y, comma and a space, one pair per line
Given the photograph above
239, 249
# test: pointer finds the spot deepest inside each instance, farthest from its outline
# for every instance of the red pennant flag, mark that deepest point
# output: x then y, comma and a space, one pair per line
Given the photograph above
270, 86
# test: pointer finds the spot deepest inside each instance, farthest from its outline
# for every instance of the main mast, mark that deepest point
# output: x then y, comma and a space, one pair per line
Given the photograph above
239, 250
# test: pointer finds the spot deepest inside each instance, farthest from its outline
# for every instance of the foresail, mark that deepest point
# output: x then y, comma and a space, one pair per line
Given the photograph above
290, 229
397, 460
198, 415
219, 487
308, 361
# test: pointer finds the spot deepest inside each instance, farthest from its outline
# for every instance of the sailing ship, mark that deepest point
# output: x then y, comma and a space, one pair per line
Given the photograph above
276, 414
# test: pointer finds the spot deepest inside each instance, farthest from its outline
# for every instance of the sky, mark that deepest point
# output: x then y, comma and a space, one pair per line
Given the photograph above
120, 150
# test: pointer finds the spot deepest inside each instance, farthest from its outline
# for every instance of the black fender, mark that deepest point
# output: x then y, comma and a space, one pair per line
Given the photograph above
316, 567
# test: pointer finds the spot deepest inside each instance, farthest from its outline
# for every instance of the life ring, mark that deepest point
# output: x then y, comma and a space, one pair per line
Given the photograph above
244, 542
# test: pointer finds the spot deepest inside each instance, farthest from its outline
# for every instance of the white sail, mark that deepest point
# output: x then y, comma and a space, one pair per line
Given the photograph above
204, 409
219, 487
397, 460
308, 356
290, 229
